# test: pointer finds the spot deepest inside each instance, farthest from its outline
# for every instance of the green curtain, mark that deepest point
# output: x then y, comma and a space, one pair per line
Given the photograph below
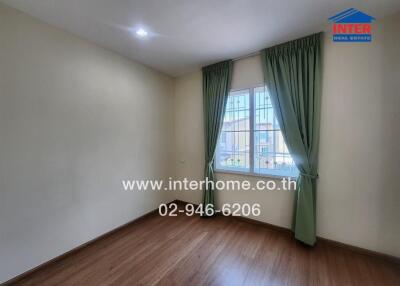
292, 73
216, 84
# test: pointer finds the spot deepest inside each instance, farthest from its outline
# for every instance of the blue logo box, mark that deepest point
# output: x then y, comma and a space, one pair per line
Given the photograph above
351, 38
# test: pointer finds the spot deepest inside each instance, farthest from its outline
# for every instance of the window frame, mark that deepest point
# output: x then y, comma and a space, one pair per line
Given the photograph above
251, 149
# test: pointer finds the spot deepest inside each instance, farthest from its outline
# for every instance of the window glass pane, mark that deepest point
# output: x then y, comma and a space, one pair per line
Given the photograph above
233, 149
271, 155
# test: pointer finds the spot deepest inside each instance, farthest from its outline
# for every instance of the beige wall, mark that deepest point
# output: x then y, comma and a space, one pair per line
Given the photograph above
359, 193
75, 120
358, 190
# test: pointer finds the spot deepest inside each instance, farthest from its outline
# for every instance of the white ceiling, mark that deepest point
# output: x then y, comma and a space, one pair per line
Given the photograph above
187, 34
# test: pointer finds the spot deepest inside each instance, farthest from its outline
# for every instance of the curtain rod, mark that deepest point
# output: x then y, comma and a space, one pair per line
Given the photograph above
246, 56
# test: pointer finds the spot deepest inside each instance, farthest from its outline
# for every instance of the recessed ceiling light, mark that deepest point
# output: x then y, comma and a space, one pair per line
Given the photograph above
141, 32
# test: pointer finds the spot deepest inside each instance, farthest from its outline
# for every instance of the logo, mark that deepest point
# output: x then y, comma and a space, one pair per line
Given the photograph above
351, 25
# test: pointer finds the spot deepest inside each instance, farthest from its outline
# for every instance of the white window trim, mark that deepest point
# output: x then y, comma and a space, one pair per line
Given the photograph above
250, 173
269, 176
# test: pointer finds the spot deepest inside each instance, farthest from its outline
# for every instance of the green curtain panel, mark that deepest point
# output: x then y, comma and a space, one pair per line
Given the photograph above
292, 73
216, 84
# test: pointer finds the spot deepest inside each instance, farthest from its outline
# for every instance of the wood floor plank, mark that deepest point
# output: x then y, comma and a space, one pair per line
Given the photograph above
216, 251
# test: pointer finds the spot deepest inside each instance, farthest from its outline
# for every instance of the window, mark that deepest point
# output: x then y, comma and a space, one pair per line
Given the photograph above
251, 140
233, 151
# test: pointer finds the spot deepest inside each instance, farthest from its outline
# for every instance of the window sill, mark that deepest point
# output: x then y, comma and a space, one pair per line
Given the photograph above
276, 177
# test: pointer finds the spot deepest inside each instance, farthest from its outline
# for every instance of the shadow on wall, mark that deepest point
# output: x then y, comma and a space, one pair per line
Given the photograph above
389, 198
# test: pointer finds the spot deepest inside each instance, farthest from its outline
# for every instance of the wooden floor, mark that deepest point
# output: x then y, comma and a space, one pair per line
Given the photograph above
215, 251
